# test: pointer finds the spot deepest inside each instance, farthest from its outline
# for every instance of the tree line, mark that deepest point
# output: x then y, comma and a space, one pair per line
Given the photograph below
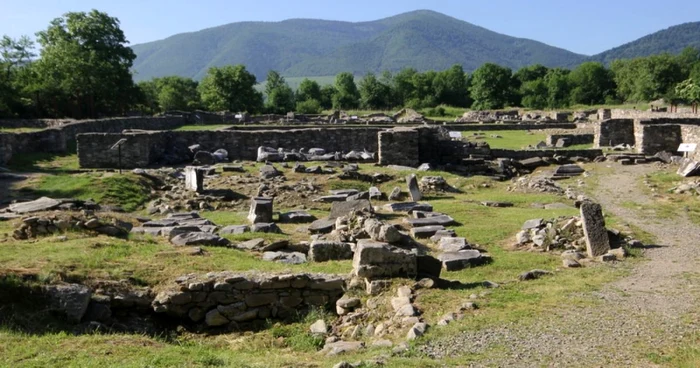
83, 70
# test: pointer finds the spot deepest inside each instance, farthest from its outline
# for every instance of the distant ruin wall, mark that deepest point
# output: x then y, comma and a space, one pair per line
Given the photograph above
525, 154
683, 113
399, 146
450, 126
62, 139
611, 132
582, 138
34, 123
148, 148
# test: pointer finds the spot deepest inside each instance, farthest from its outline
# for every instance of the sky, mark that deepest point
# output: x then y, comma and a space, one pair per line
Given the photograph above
582, 26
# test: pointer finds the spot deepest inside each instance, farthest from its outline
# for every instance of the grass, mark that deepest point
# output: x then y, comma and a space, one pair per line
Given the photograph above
127, 190
44, 162
185, 128
668, 204
154, 262
19, 130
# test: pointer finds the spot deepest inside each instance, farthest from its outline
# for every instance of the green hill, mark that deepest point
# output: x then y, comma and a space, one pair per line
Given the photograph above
671, 40
306, 47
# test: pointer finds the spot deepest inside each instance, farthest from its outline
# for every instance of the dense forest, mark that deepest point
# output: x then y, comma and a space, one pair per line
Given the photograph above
84, 70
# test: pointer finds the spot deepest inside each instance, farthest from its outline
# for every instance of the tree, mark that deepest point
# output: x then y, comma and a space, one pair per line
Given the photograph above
346, 95
558, 88
534, 94
170, 93
15, 56
280, 97
647, 78
310, 106
592, 84
85, 65
308, 90
327, 93
450, 87
403, 86
230, 88
689, 91
491, 87
373, 93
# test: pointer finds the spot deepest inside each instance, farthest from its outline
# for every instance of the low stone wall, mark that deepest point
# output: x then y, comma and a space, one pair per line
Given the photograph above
683, 113
148, 148
691, 134
226, 298
663, 134
582, 138
34, 123
611, 132
61, 139
525, 154
448, 126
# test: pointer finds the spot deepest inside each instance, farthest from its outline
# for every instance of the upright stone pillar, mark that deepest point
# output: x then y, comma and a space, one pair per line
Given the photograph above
597, 241
194, 179
260, 210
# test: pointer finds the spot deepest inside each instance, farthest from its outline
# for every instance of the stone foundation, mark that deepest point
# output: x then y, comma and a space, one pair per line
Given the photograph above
611, 132
227, 298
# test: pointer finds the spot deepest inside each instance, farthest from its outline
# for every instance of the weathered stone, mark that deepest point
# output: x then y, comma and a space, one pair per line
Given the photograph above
408, 207
322, 251
285, 257
428, 266
342, 347
568, 170
275, 246
425, 231
395, 194
234, 229
70, 299
297, 216
319, 327
416, 331
214, 318
194, 179
446, 233
251, 244
381, 232
264, 227
443, 220
522, 237
260, 210
199, 238
532, 224
453, 244
375, 193
322, 226
376, 287
496, 204
257, 300
570, 263
340, 209
413, 189
374, 259
455, 261
687, 168
533, 275
597, 241
41, 204
269, 172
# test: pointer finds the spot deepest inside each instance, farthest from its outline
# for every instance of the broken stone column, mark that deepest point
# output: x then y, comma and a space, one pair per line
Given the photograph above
413, 189
194, 179
260, 210
597, 242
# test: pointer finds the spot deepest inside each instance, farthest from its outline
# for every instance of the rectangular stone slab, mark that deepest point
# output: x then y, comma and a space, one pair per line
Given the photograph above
597, 241
425, 231
443, 220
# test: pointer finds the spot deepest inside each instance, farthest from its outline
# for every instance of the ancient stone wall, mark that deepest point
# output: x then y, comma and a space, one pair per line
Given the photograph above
583, 138
146, 148
691, 134
34, 123
225, 298
683, 113
656, 138
450, 126
399, 146
525, 154
62, 138
612, 132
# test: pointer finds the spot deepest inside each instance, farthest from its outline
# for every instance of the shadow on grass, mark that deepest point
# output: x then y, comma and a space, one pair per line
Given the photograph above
45, 162
25, 308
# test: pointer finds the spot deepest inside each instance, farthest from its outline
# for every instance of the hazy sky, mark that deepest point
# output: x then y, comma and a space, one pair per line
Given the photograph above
583, 26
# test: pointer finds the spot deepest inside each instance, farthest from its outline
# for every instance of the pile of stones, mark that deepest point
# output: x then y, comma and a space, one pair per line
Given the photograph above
60, 222
538, 184
268, 154
579, 239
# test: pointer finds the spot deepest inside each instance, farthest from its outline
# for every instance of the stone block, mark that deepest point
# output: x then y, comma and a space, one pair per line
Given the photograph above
597, 241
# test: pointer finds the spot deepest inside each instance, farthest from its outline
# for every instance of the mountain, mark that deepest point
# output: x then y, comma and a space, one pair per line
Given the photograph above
671, 40
306, 47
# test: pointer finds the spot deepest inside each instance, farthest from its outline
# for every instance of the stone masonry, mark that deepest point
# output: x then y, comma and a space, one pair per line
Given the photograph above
228, 298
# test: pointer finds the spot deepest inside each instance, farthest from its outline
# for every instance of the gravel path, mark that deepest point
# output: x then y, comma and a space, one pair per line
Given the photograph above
655, 306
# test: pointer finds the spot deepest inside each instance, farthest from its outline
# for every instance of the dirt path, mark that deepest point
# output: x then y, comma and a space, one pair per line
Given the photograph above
654, 307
